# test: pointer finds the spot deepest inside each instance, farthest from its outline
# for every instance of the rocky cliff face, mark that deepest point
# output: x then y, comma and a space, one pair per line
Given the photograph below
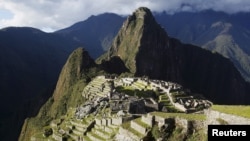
139, 33
146, 49
74, 71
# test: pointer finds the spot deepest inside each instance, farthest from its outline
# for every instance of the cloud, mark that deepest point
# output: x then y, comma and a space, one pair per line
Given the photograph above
53, 15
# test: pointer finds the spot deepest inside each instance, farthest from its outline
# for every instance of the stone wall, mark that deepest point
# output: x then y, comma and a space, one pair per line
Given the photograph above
199, 124
152, 104
190, 126
138, 127
98, 121
114, 121
148, 119
180, 107
104, 122
161, 121
183, 123
117, 121
129, 134
212, 117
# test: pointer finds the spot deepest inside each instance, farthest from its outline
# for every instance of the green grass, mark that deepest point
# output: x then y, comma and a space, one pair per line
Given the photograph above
178, 94
163, 97
239, 110
180, 115
39, 136
198, 136
125, 125
143, 86
166, 103
138, 120
96, 136
133, 92
177, 134
155, 132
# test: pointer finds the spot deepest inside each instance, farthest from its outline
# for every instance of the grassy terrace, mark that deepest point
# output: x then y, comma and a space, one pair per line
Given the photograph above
96, 136
127, 126
164, 99
132, 91
138, 121
141, 85
177, 94
180, 115
239, 110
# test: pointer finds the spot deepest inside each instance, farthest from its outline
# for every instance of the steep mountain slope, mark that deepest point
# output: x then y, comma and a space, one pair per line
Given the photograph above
146, 49
194, 28
225, 44
96, 33
30, 61
76, 73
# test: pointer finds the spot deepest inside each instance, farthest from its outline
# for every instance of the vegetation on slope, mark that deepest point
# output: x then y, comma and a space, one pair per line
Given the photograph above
239, 110
76, 73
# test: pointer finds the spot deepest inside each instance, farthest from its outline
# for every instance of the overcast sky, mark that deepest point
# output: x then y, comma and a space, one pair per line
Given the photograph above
51, 15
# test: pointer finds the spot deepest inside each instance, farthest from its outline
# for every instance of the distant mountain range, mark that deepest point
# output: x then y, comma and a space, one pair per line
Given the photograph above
217, 31
226, 34
30, 60
96, 33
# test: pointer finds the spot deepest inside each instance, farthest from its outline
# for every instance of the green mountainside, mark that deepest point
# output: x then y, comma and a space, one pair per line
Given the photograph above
76, 73
148, 85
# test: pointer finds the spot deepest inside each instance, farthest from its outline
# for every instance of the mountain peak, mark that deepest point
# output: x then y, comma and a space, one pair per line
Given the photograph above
139, 33
142, 16
142, 13
146, 50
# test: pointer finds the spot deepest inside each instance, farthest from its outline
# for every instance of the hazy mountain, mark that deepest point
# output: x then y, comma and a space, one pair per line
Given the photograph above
189, 27
30, 61
217, 31
96, 33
